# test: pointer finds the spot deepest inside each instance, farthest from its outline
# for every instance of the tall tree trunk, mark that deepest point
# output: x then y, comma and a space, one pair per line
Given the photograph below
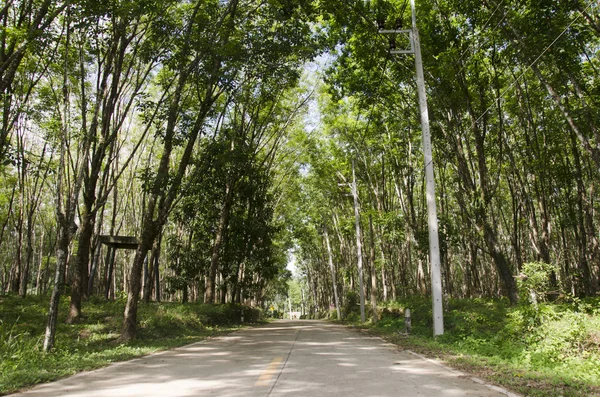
4, 228
219, 236
61, 261
109, 260
384, 282
16, 272
33, 201
28, 257
156, 258
96, 248
38, 279
148, 277
102, 121
80, 275
129, 329
373, 271
584, 281
66, 199
333, 278
361, 289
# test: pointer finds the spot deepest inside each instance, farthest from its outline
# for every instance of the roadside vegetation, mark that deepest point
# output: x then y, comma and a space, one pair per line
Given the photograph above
91, 343
171, 150
552, 349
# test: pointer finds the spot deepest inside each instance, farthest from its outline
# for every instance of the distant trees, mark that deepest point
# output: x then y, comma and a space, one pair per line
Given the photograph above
514, 119
109, 110
190, 126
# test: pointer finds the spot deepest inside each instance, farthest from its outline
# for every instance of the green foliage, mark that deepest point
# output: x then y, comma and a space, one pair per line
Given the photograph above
351, 307
332, 315
534, 280
551, 350
295, 293
90, 343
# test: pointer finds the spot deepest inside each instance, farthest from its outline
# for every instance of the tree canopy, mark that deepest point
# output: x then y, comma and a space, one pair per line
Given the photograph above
225, 136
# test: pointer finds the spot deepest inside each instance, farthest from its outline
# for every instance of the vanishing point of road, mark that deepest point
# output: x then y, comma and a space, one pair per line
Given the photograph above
283, 358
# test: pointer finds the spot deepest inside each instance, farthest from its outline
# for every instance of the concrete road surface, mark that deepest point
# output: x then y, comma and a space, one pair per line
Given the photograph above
284, 358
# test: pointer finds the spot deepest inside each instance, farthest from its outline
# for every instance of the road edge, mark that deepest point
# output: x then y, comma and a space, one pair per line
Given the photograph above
463, 374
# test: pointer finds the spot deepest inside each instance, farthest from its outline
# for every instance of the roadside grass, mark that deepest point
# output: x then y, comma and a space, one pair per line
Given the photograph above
550, 350
91, 343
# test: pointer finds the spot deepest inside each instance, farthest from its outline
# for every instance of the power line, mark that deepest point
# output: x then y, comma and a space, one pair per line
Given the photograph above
535, 61
462, 56
369, 118
460, 61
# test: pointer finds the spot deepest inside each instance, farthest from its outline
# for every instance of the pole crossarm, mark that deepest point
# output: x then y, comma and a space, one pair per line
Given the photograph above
408, 33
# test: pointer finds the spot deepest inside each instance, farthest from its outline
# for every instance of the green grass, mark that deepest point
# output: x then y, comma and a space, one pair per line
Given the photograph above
92, 342
551, 350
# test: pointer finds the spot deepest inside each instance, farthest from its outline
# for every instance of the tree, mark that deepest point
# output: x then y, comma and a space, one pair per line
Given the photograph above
26, 30
125, 62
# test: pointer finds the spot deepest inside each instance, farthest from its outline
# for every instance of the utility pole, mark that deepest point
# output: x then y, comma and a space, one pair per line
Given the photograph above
434, 246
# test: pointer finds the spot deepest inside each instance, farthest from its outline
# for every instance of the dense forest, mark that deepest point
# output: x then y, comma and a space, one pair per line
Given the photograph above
224, 137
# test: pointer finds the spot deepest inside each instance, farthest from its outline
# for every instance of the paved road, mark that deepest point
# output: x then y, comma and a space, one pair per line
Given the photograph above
284, 358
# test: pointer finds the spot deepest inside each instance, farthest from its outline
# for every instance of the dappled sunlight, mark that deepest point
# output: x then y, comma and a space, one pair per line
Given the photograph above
281, 359
321, 343
328, 354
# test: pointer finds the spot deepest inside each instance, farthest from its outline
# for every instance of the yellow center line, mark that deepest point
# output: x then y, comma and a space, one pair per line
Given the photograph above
271, 370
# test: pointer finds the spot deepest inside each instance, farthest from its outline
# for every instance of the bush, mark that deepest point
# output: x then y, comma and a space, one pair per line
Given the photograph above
545, 349
534, 282
351, 304
90, 343
391, 313
228, 314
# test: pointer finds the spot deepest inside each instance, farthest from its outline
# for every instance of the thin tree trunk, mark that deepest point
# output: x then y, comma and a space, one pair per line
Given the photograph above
16, 270
373, 272
219, 236
585, 277
110, 267
38, 279
358, 248
61, 261
7, 219
156, 268
333, 278
148, 277
28, 258
130, 316
65, 212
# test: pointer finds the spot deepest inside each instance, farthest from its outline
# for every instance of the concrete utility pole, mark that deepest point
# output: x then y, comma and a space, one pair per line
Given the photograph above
434, 246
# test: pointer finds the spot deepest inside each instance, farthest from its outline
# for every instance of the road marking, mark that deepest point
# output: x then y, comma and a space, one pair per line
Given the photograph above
271, 370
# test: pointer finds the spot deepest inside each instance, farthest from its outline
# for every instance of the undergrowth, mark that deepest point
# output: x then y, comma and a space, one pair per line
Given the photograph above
92, 342
546, 349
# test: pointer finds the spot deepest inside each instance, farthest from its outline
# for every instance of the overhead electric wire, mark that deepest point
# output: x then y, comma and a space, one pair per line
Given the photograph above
460, 61
535, 60
369, 118
369, 22
462, 56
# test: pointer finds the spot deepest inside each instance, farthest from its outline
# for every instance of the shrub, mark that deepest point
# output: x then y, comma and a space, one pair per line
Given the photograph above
534, 281
351, 304
332, 315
